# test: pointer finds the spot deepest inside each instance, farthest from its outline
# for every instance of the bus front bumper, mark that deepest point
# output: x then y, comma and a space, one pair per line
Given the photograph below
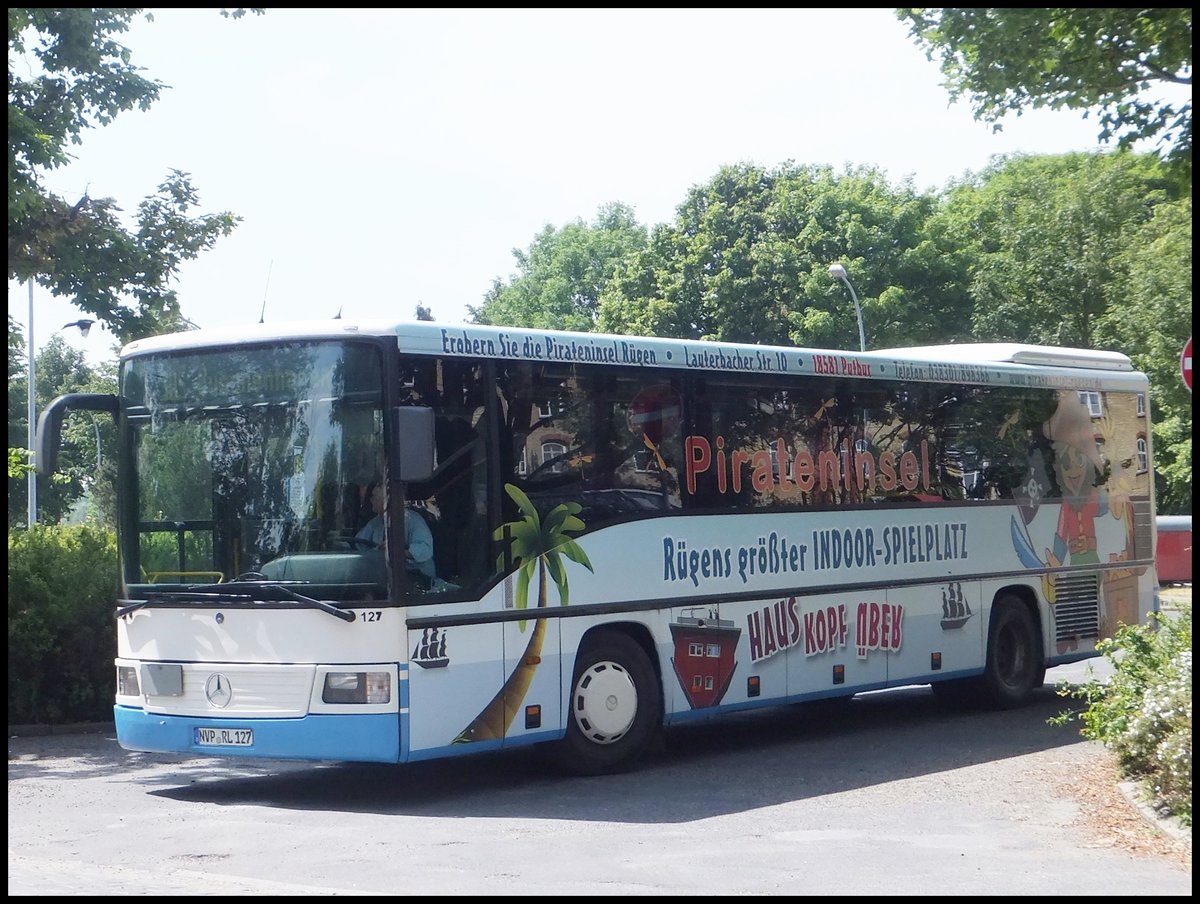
373, 738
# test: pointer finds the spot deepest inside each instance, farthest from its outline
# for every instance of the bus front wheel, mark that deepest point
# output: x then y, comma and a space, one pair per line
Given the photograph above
1014, 657
615, 706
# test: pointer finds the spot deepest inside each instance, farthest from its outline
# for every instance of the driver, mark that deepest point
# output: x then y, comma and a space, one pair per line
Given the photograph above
417, 537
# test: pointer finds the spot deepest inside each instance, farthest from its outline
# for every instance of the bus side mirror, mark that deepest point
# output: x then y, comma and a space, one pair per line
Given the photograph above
412, 449
49, 427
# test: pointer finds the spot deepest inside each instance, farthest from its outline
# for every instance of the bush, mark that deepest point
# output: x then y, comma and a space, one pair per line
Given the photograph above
62, 594
1144, 712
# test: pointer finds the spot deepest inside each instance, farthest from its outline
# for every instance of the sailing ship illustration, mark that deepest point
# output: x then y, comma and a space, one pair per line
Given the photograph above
430, 653
703, 660
956, 611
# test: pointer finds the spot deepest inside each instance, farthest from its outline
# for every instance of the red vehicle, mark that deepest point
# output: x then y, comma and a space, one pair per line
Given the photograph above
1174, 555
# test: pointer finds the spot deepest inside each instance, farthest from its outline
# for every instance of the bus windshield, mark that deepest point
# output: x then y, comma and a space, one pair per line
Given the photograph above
254, 463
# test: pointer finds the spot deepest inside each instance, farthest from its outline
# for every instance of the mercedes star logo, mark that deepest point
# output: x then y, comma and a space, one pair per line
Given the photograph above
218, 690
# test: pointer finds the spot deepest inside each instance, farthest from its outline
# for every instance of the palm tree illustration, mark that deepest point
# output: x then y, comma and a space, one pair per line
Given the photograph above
538, 545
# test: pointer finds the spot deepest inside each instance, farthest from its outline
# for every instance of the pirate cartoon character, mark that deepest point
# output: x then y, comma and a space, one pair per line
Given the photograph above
1082, 472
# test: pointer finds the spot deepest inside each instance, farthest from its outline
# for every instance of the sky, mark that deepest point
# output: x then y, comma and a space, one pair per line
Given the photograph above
381, 159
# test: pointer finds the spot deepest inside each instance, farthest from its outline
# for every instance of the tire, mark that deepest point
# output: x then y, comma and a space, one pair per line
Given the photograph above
615, 707
1015, 667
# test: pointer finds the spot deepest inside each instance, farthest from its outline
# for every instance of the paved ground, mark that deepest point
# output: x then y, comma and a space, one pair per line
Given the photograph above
895, 796
1049, 810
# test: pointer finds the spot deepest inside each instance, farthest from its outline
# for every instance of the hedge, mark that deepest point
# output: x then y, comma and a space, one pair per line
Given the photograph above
62, 596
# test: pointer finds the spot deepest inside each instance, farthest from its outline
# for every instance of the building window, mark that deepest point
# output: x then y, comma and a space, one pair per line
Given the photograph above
1141, 404
1143, 454
551, 408
552, 451
1092, 401
523, 464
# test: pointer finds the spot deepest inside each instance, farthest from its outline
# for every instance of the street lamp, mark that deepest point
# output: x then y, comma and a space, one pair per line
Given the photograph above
837, 271
84, 324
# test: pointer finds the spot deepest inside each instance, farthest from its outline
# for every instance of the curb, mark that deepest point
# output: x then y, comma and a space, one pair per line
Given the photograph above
1168, 825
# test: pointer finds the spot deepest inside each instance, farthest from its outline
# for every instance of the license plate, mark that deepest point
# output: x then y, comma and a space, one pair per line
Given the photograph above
224, 737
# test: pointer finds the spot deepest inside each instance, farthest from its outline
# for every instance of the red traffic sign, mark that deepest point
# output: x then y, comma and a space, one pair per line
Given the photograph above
1185, 363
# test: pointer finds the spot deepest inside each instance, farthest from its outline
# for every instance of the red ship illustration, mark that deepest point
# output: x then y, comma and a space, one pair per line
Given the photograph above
703, 660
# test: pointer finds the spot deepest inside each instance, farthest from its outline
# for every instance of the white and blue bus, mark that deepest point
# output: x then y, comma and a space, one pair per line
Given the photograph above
583, 538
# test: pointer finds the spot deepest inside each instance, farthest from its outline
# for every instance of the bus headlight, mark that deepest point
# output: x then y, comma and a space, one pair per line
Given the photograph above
127, 682
357, 687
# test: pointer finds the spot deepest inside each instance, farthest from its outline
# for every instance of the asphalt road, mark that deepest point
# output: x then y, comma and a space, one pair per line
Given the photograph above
894, 796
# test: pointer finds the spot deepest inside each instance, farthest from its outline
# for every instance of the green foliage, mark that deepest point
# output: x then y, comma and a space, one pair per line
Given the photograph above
81, 78
561, 277
62, 591
1008, 59
18, 467
1042, 237
747, 260
1154, 287
18, 391
1143, 713
60, 369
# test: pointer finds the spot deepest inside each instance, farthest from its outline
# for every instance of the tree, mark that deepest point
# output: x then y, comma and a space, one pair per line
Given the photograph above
747, 260
1010, 59
18, 436
82, 78
60, 369
563, 274
1149, 316
1041, 235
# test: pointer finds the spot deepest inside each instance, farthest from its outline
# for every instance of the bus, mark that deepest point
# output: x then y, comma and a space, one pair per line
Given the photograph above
583, 539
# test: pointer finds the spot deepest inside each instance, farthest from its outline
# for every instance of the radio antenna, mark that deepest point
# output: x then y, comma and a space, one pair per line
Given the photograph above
263, 313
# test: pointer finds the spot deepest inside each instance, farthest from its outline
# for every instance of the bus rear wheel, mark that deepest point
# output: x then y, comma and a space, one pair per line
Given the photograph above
615, 706
1015, 667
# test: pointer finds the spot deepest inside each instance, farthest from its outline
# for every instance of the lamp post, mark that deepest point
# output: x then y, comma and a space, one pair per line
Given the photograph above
31, 511
837, 271
84, 325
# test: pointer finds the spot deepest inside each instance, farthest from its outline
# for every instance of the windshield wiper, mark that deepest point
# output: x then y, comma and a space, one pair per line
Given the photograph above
344, 614
125, 610
227, 593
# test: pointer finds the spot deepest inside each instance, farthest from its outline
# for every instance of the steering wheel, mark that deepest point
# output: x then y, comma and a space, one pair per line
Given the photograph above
251, 576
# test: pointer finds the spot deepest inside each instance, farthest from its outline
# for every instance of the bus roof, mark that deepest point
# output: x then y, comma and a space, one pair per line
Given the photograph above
966, 362
1016, 353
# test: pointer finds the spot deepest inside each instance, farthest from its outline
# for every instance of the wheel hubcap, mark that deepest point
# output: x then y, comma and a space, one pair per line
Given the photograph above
605, 702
